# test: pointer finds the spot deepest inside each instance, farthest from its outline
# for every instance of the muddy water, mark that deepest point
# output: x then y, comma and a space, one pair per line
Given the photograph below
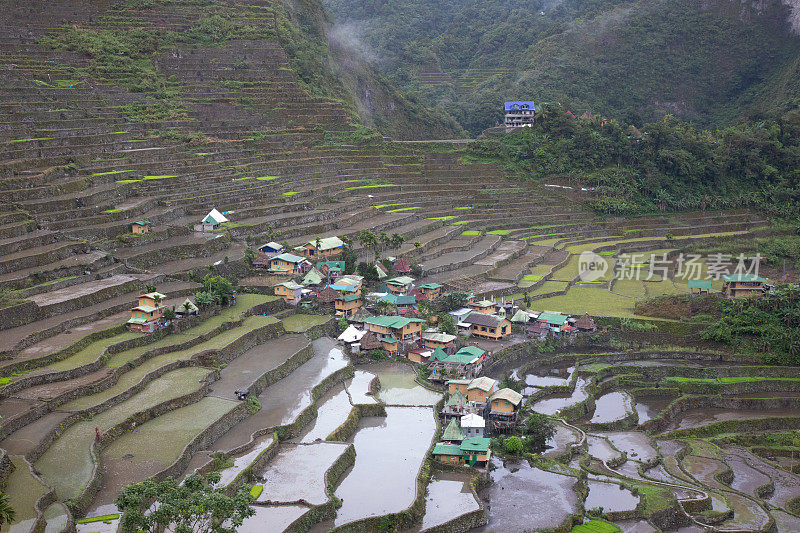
700, 417
635, 443
787, 485
785, 522
551, 406
358, 388
541, 381
610, 497
560, 441
612, 407
243, 461
389, 453
448, 497
636, 526
23, 490
100, 527
600, 448
283, 401
333, 410
399, 387
298, 473
273, 519
649, 408
745, 478
56, 518
527, 499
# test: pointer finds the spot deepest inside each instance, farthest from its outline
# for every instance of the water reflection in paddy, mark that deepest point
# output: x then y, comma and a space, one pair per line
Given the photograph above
399, 386
609, 496
550, 406
612, 407
528, 498
449, 497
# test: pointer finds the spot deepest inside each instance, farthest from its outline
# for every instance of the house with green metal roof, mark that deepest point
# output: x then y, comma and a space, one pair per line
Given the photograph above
476, 450
287, 263
400, 284
442, 341
322, 247
554, 320
701, 286
290, 291
430, 291
346, 305
312, 278
140, 227
398, 300
405, 329
448, 453
743, 285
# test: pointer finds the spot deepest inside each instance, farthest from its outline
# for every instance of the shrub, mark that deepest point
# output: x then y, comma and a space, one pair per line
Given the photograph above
512, 445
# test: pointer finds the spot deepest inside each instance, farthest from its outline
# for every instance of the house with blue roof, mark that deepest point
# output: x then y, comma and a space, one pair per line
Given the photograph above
519, 114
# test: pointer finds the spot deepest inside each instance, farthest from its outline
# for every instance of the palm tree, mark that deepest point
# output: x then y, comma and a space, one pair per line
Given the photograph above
7, 512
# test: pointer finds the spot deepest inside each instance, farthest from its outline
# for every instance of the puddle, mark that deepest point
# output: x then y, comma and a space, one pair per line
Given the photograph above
551, 406
649, 408
398, 386
635, 443
612, 407
298, 473
600, 448
389, 450
67, 465
448, 497
358, 387
527, 499
609, 496
273, 519
333, 409
243, 461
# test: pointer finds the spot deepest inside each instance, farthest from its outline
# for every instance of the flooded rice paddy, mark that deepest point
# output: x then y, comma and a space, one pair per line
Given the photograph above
227, 475
272, 518
389, 454
332, 411
612, 407
610, 496
551, 406
449, 496
298, 473
359, 388
399, 386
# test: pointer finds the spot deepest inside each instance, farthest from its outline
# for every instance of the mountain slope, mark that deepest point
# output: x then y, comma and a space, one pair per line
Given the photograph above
709, 62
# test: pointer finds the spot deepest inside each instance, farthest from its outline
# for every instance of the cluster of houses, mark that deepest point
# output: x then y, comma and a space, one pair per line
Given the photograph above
475, 409
148, 315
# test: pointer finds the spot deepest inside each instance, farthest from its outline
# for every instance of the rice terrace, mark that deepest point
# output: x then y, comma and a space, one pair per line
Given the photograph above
289, 265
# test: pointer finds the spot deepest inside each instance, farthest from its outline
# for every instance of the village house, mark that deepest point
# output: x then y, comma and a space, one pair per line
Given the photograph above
483, 306
699, 287
473, 425
430, 291
347, 304
554, 321
140, 227
187, 308
400, 284
743, 285
503, 407
213, 220
351, 279
448, 453
331, 270
419, 355
351, 337
491, 327
443, 341
322, 248
519, 114
458, 385
455, 407
271, 247
357, 319
475, 451
290, 291
585, 324
390, 345
370, 341
313, 278
480, 389
452, 433
145, 317
287, 264
401, 328
403, 303
465, 363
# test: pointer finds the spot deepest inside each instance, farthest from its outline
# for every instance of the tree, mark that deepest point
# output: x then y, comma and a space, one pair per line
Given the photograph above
385, 308
149, 288
249, 255
447, 324
220, 289
169, 314
369, 240
397, 240
385, 239
192, 507
367, 271
417, 244
537, 429
203, 299
7, 512
512, 445
349, 256
342, 323
450, 301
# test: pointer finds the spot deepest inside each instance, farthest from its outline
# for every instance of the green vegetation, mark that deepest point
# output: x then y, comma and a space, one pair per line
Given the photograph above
107, 518
400, 210
290, 193
110, 172
256, 491
299, 323
498, 232
768, 325
471, 232
158, 177
596, 526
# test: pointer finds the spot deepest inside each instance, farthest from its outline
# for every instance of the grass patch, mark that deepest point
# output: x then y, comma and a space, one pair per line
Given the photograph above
256, 491
205, 153
445, 218
382, 185
498, 232
5, 381
290, 193
543, 236
242, 179
726, 380
461, 222
531, 277
596, 526
471, 233
403, 209
128, 181
116, 210
267, 178
28, 140
299, 323
102, 518
159, 177
110, 172
388, 205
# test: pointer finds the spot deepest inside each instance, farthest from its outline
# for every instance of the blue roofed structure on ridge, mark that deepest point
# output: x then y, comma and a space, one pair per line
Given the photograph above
519, 114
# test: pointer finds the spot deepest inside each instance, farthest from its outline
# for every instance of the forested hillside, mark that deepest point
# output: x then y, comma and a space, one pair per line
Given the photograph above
712, 63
